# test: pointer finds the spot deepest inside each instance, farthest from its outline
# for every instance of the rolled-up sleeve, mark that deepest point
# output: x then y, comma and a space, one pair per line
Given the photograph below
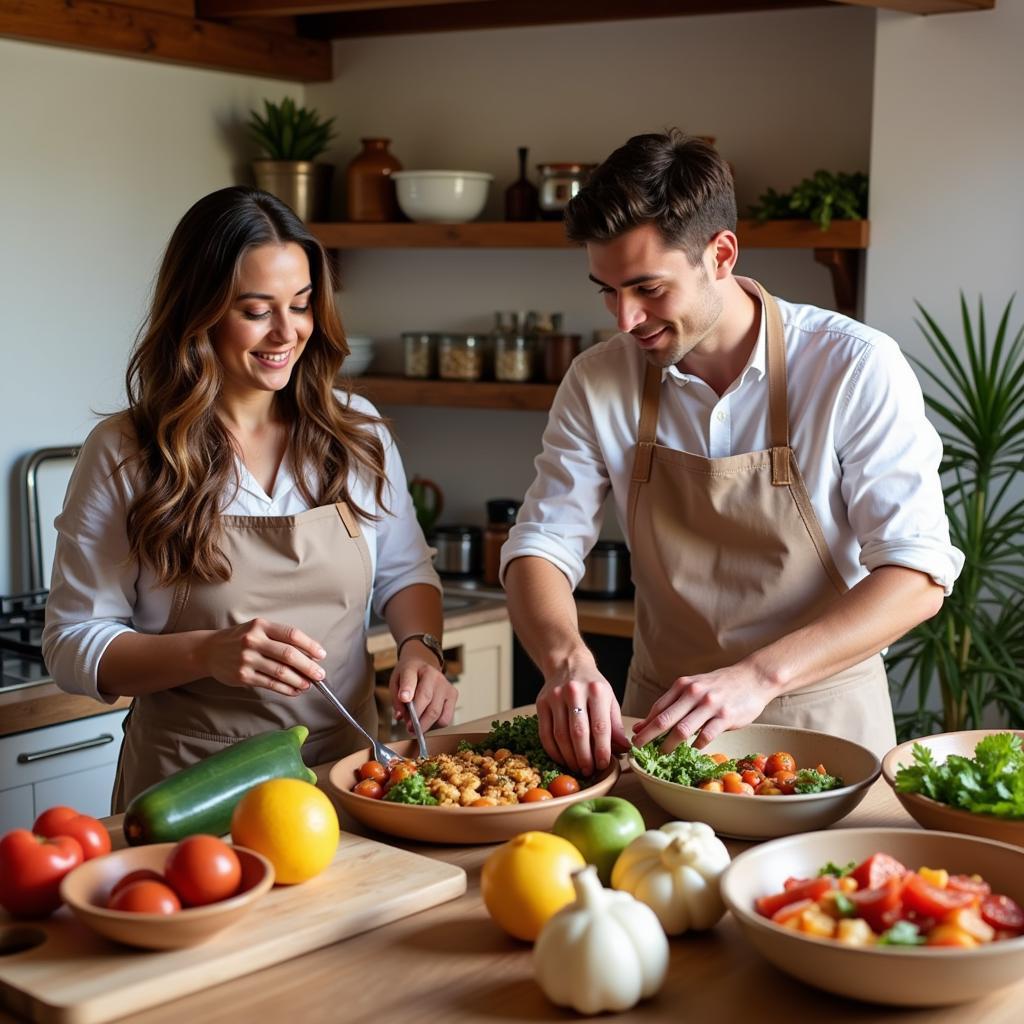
93, 584
890, 454
560, 517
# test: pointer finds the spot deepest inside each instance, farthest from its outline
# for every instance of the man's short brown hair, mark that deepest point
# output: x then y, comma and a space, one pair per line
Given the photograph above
675, 181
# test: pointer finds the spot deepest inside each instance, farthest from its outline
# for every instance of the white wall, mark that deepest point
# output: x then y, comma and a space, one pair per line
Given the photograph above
576, 92
99, 158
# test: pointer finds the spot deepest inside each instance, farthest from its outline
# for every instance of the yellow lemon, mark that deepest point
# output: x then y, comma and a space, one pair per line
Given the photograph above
292, 823
528, 880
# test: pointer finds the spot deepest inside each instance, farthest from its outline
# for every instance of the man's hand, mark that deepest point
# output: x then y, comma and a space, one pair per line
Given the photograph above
707, 704
580, 721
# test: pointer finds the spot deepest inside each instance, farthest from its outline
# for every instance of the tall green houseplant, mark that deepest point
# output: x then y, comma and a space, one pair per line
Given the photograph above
973, 650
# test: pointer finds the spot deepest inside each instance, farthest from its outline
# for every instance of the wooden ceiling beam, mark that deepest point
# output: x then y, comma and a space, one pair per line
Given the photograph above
925, 6
167, 37
285, 8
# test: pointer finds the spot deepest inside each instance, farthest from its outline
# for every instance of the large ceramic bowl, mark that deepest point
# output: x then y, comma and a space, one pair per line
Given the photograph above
452, 825
932, 814
86, 890
442, 197
764, 817
901, 976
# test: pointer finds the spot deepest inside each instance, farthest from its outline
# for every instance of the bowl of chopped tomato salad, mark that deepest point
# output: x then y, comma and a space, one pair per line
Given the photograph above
897, 916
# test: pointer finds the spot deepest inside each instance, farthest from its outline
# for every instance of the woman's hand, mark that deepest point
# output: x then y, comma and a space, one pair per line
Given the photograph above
262, 654
418, 679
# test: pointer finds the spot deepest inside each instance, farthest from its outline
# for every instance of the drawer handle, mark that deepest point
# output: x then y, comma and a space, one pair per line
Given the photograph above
41, 755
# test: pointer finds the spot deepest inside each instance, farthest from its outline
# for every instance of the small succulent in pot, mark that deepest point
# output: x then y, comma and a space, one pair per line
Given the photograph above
288, 132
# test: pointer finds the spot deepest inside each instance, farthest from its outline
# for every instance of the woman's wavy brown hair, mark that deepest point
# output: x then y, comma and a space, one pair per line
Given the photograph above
186, 456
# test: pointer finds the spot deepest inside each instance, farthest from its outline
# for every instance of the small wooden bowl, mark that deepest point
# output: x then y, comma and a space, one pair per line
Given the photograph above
452, 825
86, 890
932, 814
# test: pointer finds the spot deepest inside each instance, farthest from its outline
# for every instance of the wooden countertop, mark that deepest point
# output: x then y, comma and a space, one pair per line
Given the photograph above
452, 964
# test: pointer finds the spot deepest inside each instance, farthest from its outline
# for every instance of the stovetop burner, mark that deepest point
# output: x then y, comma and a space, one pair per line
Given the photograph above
21, 633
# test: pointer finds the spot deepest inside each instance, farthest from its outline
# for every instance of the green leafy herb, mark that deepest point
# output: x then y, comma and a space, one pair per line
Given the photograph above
991, 782
822, 198
844, 904
834, 869
521, 735
429, 769
902, 933
685, 765
411, 790
810, 781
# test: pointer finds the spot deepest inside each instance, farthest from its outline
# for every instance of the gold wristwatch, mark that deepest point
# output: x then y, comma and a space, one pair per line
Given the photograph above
428, 640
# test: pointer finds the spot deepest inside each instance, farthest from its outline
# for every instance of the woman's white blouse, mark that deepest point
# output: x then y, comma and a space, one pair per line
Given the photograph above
97, 592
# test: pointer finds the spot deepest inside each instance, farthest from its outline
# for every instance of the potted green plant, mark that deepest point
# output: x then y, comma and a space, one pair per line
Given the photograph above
972, 652
822, 198
291, 138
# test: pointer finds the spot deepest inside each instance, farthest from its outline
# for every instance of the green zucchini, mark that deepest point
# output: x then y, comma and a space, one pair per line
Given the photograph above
202, 797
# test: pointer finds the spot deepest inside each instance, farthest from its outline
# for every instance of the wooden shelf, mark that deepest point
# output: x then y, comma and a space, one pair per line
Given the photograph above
775, 234
484, 394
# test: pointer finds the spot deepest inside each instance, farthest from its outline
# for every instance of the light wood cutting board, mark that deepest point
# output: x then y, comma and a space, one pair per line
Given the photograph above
77, 977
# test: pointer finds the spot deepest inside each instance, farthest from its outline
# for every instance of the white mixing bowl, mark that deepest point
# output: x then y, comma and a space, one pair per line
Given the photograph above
442, 197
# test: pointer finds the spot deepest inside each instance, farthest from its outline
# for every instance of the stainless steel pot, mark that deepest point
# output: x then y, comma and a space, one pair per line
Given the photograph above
606, 573
458, 550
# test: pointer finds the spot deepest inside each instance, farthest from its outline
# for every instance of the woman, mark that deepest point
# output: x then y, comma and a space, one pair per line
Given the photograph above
223, 539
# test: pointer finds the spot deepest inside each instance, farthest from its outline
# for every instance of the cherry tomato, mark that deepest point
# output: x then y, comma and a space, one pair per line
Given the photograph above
532, 796
484, 801
563, 785
1002, 913
31, 870
203, 869
871, 873
66, 821
732, 782
807, 889
929, 899
400, 772
879, 907
146, 898
374, 770
752, 777
974, 884
753, 763
712, 786
780, 761
369, 787
820, 769
767, 788
141, 875
785, 780
719, 758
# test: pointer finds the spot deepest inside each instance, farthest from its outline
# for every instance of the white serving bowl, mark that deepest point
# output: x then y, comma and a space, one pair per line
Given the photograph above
360, 355
442, 197
764, 817
899, 976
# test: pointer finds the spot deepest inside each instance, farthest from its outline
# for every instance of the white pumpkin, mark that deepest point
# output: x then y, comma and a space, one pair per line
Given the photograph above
675, 871
605, 951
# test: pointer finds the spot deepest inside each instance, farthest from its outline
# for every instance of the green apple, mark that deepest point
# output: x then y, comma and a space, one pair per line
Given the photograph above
600, 829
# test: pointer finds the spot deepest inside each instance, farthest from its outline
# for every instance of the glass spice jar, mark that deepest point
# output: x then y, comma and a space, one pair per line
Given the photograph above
513, 358
419, 354
461, 357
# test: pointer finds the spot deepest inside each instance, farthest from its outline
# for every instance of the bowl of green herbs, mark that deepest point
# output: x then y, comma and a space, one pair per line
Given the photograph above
970, 781
432, 799
829, 777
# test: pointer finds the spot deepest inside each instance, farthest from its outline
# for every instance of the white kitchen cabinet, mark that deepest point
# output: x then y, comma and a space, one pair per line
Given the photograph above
72, 763
485, 677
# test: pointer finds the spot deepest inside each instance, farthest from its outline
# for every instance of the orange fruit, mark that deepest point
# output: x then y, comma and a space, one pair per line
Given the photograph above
292, 823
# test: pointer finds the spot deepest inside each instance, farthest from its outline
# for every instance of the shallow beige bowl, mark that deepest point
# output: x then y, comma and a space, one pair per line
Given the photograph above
908, 976
86, 890
932, 814
764, 817
452, 824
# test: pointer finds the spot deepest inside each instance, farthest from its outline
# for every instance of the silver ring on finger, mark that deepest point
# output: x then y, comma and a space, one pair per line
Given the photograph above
578, 711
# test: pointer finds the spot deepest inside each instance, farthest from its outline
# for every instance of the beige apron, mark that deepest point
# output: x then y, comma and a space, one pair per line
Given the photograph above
728, 556
310, 570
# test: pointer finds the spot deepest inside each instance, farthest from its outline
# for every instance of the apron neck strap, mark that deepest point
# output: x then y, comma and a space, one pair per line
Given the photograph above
650, 400
775, 347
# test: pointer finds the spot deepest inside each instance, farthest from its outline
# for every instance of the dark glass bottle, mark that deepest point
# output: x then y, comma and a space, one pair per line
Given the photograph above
521, 195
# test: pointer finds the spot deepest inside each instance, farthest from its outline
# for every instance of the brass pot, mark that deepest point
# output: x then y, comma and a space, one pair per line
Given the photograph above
304, 185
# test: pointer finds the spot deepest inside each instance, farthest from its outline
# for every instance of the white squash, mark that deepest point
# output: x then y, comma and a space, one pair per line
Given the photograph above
605, 951
675, 870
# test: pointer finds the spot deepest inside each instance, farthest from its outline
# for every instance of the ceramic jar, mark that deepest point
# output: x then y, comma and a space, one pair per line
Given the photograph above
369, 190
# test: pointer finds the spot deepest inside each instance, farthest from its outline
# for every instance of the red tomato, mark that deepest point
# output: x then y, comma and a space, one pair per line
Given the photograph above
753, 763
532, 796
66, 821
374, 770
785, 780
369, 787
142, 875
880, 907
752, 777
973, 884
808, 889
929, 900
400, 772
146, 898
780, 761
1002, 913
563, 785
203, 869
873, 872
31, 869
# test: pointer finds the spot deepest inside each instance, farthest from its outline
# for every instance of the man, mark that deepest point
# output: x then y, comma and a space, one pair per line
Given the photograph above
771, 466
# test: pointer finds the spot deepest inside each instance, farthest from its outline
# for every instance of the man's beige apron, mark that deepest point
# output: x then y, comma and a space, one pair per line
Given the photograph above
310, 570
728, 556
